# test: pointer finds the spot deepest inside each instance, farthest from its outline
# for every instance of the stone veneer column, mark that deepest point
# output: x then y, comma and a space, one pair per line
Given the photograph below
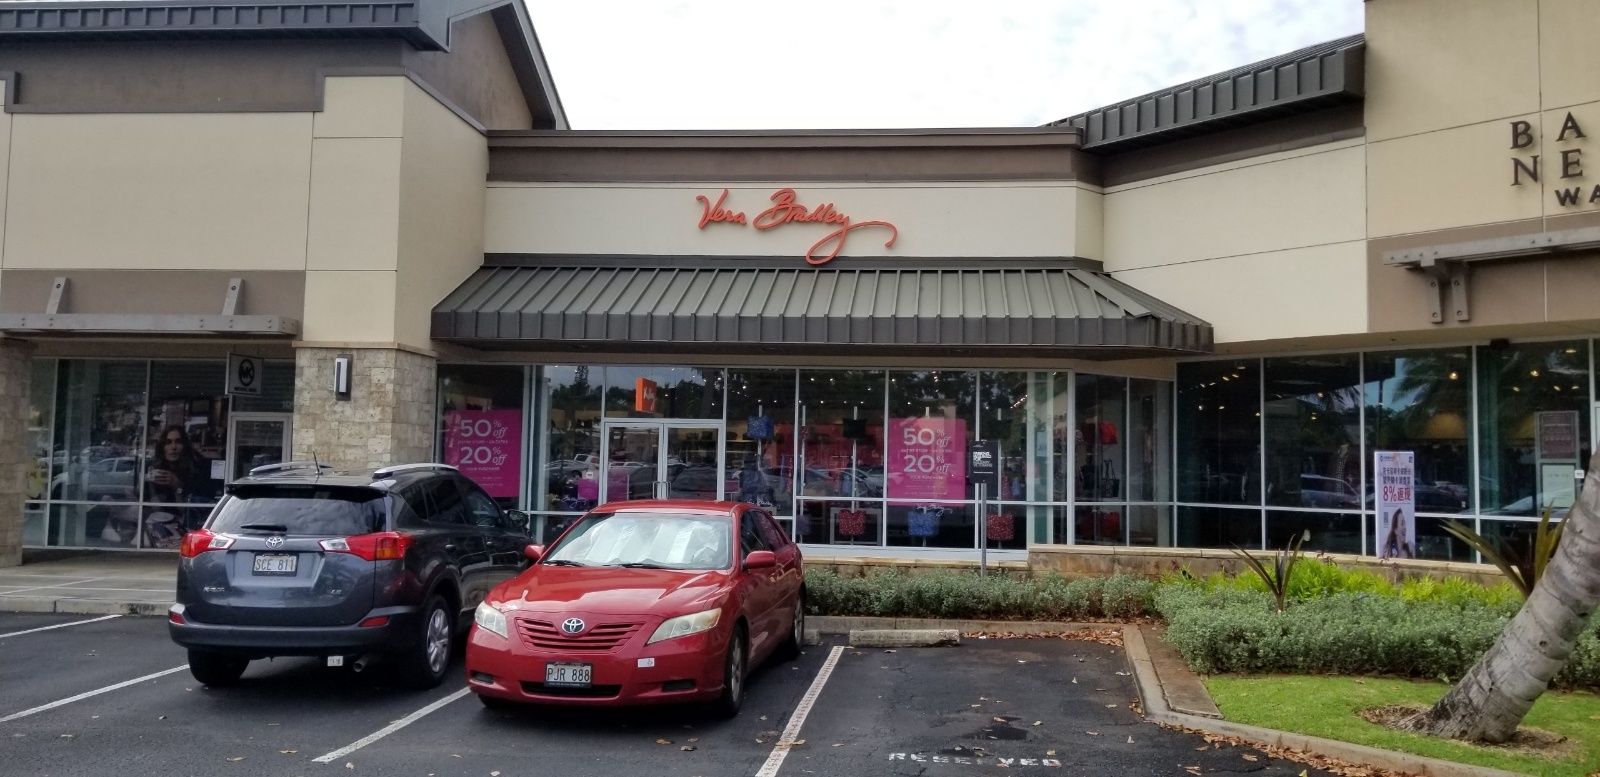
388, 418
16, 461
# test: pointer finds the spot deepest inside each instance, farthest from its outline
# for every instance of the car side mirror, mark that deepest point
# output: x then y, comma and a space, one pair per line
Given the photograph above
519, 519
533, 552
760, 559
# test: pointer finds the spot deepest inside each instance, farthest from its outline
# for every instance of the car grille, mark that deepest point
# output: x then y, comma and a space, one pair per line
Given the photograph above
545, 635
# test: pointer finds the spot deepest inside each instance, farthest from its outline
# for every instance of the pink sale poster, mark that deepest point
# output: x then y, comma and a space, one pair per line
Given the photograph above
927, 458
486, 445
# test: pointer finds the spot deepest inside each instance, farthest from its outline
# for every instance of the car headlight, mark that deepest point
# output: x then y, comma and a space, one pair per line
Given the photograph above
684, 625
489, 619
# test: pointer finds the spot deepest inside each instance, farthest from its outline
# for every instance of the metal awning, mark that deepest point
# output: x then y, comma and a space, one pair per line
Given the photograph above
705, 304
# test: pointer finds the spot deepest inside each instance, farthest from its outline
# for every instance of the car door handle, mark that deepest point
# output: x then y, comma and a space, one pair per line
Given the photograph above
450, 547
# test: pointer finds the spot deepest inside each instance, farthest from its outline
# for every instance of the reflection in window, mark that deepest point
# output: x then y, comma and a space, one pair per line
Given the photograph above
1324, 532
1099, 439
99, 431
1218, 527
663, 392
41, 397
1533, 432
760, 462
1219, 433
480, 426
1420, 401
1149, 441
841, 434
187, 437
1313, 412
570, 399
931, 525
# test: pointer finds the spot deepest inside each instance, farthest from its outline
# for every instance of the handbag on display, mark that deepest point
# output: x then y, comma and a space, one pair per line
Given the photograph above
1000, 527
851, 523
758, 427
923, 521
1110, 485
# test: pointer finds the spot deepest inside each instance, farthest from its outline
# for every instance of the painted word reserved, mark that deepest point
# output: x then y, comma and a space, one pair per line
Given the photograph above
1003, 763
786, 209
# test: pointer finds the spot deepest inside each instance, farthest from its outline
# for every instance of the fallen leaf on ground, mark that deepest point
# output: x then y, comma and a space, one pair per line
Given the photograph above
1192, 769
663, 741
349, 765
838, 744
1092, 733
494, 774
1074, 681
1111, 705
685, 748
888, 651
1130, 740
236, 759
797, 742
288, 752
1049, 752
1249, 757
694, 739
1038, 722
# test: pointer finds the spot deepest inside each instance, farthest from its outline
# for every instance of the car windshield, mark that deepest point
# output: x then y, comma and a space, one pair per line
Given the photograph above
322, 511
646, 539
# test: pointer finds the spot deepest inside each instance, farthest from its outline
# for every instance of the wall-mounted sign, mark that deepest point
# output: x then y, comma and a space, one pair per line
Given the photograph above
1570, 189
486, 445
786, 209
644, 395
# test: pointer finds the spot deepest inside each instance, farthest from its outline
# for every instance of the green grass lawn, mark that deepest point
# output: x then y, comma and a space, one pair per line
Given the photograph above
1327, 706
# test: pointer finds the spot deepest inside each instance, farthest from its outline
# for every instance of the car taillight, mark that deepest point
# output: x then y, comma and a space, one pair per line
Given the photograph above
379, 546
200, 541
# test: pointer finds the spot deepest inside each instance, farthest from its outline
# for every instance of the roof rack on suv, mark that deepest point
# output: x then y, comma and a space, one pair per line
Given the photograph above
290, 466
383, 472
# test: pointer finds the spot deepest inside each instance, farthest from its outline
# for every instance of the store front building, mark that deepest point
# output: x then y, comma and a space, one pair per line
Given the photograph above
1190, 319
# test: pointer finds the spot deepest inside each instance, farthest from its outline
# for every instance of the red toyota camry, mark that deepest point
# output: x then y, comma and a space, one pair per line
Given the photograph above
641, 603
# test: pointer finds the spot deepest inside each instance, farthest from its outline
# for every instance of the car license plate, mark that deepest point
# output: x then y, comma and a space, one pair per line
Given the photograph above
569, 675
275, 564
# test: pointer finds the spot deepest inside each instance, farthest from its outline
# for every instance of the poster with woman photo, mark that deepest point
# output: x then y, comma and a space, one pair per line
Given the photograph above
1395, 475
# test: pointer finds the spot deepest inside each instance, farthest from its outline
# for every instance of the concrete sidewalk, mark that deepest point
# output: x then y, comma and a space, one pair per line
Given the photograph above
90, 582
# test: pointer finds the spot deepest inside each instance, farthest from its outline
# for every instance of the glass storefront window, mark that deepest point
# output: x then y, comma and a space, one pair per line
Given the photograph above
481, 424
930, 423
924, 525
663, 392
1012, 415
1149, 441
1099, 441
841, 434
1219, 433
570, 402
1533, 425
1323, 532
99, 430
41, 398
187, 434
277, 391
1421, 401
1313, 432
1218, 527
760, 463
1005, 527
1150, 525
836, 522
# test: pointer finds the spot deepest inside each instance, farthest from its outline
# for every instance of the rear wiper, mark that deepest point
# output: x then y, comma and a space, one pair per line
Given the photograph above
561, 562
277, 527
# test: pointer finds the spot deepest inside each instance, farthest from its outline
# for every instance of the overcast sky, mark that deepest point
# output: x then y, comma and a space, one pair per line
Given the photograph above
722, 64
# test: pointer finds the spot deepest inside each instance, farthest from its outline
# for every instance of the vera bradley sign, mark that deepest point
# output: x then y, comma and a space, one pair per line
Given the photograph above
786, 209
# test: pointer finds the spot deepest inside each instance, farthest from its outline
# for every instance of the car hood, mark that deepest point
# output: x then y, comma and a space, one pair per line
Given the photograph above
611, 590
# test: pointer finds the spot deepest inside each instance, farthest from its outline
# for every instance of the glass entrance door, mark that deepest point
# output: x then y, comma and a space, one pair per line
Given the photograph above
661, 460
256, 440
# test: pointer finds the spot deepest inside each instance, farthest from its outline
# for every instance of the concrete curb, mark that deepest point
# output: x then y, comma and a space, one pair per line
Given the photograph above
899, 638
1156, 711
40, 604
844, 624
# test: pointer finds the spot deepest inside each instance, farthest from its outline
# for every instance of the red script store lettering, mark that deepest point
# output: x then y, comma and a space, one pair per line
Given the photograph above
785, 210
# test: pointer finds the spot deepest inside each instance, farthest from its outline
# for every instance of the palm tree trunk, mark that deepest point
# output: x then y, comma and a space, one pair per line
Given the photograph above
1493, 697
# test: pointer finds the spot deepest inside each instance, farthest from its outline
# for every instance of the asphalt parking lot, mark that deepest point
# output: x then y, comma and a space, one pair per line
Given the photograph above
112, 696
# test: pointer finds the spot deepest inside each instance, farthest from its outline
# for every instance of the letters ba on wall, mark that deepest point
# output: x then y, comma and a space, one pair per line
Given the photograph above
1557, 165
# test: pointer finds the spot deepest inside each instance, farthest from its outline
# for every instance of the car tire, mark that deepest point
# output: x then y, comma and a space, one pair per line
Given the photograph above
790, 649
216, 669
735, 668
424, 663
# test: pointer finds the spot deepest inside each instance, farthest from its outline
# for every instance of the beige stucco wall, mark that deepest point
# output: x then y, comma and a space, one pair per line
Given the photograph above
934, 219
158, 191
1246, 245
444, 162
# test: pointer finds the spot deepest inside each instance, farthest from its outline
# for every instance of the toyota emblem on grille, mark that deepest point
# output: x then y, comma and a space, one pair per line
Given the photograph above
274, 542
572, 625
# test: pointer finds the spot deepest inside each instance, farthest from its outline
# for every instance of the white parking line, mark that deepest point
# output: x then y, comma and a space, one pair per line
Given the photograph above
70, 581
780, 751
96, 692
60, 626
389, 729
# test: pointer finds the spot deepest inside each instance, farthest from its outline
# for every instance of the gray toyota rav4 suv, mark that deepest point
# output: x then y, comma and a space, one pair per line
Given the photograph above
297, 560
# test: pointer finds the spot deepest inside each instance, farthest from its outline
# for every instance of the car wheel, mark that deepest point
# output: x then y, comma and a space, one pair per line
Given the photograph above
797, 631
734, 669
423, 664
216, 669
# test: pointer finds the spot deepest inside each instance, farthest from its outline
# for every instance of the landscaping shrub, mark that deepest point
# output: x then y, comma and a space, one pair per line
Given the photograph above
966, 595
1223, 630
